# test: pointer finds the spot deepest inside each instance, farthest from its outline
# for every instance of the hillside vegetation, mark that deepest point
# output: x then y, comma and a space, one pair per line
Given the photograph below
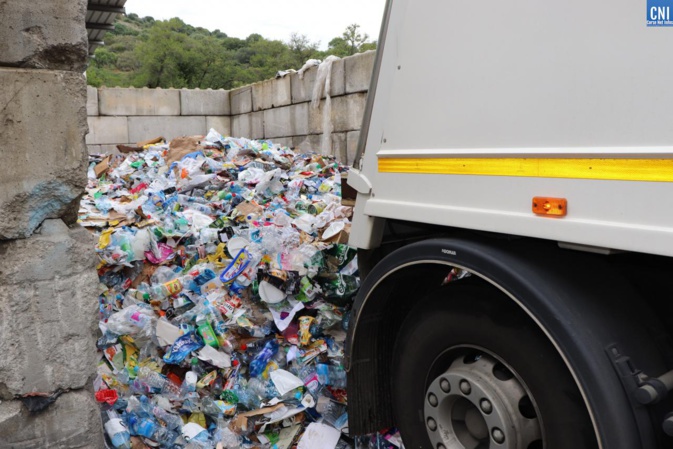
143, 52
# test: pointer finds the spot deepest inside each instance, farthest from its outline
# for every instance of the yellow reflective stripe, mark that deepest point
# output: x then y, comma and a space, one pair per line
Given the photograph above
659, 170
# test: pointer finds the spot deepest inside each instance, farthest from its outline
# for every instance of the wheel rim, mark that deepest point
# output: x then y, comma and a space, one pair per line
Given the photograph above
479, 402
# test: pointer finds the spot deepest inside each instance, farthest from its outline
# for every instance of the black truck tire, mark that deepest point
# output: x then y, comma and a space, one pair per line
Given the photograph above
467, 362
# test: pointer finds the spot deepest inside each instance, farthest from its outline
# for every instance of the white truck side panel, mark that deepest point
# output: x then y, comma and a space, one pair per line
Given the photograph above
523, 79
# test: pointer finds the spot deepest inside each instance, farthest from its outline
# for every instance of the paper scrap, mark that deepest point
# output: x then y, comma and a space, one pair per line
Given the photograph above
190, 430
285, 381
167, 333
214, 357
319, 436
283, 317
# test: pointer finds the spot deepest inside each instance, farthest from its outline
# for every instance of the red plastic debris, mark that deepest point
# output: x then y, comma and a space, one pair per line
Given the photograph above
109, 396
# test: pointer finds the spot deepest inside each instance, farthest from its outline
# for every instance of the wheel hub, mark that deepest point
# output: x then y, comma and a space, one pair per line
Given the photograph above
479, 403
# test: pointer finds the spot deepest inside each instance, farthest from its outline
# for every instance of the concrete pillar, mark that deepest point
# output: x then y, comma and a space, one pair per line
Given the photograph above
48, 299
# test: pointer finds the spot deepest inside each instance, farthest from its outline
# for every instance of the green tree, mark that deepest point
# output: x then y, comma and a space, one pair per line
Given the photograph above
368, 46
268, 57
170, 53
349, 43
103, 57
162, 54
302, 49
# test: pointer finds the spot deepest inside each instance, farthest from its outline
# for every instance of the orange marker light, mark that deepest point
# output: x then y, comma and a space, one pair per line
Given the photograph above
555, 207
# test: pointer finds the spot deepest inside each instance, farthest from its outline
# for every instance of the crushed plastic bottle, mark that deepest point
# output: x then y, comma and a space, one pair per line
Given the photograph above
260, 361
117, 431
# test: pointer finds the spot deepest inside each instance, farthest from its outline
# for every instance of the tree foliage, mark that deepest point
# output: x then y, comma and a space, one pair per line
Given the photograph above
350, 42
143, 52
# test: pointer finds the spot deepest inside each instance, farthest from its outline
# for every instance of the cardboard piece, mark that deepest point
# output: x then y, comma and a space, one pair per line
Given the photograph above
150, 141
137, 443
240, 423
102, 166
282, 439
342, 237
286, 437
283, 415
242, 161
180, 147
144, 276
246, 208
129, 149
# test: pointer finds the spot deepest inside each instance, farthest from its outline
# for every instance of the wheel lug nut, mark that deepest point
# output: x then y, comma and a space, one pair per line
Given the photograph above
486, 406
445, 385
432, 424
497, 435
432, 399
465, 387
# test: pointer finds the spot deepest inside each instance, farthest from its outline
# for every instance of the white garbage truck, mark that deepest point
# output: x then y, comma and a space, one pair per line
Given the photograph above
514, 225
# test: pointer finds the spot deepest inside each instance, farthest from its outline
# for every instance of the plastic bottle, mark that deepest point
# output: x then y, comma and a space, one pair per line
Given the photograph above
210, 408
281, 358
196, 368
224, 435
259, 362
170, 288
204, 209
247, 398
206, 332
264, 389
164, 436
323, 373
201, 440
117, 431
186, 200
309, 375
131, 320
217, 387
217, 321
123, 377
189, 384
171, 390
249, 273
173, 422
242, 356
146, 406
151, 378
337, 376
146, 427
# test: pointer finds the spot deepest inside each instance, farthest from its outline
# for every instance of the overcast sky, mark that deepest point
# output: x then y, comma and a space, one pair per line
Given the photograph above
320, 20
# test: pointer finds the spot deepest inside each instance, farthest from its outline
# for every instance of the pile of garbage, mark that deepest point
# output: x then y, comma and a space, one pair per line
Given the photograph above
226, 288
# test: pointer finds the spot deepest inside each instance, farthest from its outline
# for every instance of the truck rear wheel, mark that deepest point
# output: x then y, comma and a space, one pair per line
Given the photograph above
472, 371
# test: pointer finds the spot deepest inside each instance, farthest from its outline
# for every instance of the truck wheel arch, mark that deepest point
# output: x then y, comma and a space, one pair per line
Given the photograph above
576, 300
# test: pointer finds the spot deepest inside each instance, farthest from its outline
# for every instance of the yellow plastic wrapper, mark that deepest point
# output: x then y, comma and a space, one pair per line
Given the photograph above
304, 329
105, 238
130, 354
217, 257
207, 379
198, 418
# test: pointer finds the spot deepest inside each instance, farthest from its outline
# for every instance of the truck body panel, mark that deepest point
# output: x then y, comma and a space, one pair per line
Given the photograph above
479, 107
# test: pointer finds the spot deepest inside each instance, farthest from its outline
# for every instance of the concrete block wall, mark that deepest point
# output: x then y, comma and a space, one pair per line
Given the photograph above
128, 115
277, 109
281, 109
48, 300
